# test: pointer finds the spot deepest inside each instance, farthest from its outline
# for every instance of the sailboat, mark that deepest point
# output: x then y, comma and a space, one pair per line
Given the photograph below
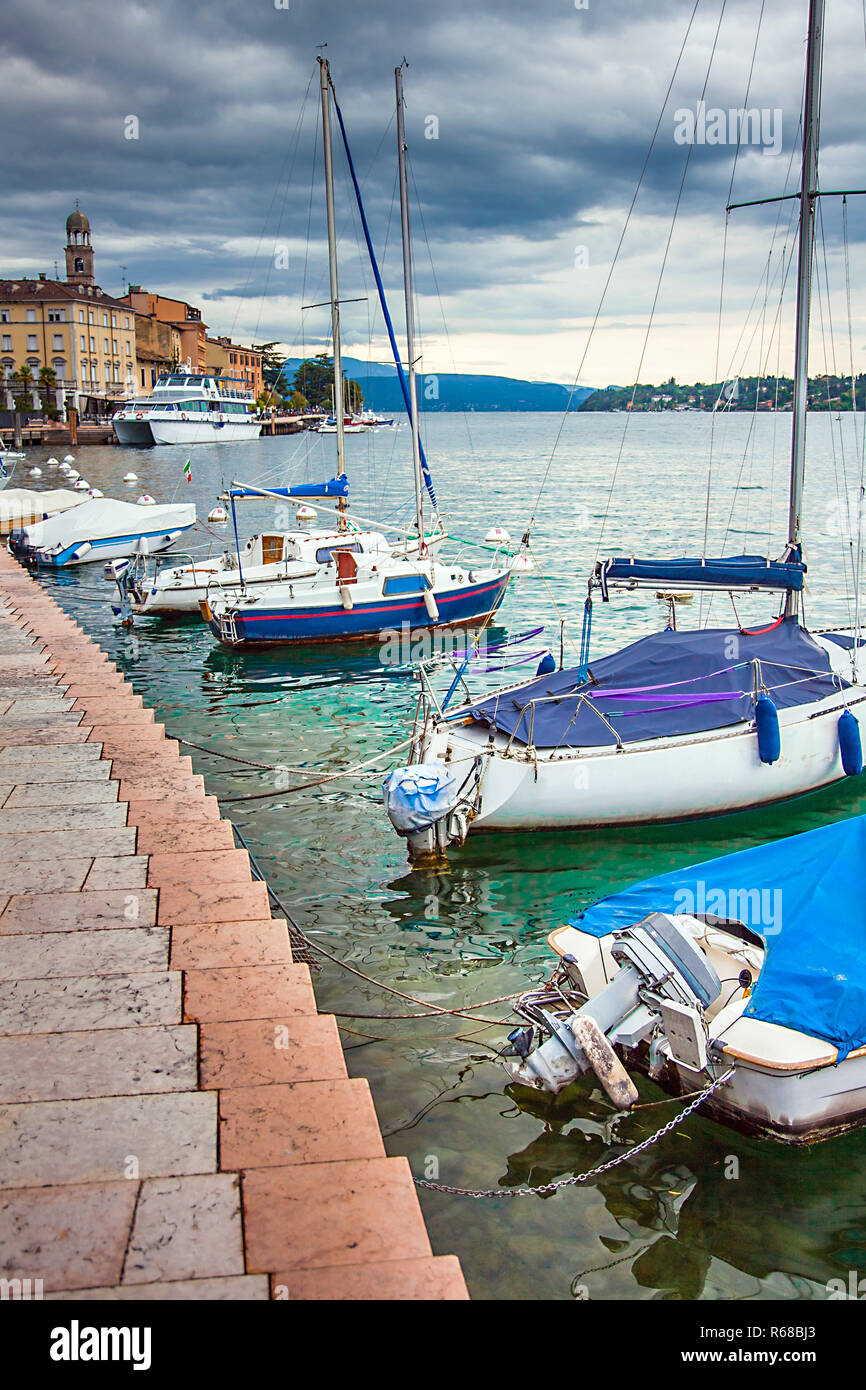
359, 592
679, 724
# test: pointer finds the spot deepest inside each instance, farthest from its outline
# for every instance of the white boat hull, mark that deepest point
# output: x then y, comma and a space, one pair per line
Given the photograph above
666, 779
670, 779
207, 432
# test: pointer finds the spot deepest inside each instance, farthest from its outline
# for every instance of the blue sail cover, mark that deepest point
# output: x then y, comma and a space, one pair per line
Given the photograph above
805, 896
734, 571
334, 487
667, 684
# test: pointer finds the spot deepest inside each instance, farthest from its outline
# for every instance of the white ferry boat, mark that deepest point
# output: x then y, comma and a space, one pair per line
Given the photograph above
188, 408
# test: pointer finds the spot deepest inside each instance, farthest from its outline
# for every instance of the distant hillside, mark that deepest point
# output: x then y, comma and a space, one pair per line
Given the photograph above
453, 390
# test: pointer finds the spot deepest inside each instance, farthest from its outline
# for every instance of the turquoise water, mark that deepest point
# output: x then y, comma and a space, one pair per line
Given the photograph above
669, 1224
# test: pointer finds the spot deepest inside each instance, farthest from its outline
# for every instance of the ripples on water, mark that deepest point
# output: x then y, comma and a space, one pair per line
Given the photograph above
668, 1224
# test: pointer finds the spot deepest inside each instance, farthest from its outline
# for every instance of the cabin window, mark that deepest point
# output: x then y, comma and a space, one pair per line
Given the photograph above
326, 553
405, 584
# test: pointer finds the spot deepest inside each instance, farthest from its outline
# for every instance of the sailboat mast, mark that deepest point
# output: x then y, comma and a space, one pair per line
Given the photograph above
808, 190
409, 292
332, 268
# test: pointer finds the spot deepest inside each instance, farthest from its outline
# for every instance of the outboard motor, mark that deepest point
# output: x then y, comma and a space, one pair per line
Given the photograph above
419, 800
664, 981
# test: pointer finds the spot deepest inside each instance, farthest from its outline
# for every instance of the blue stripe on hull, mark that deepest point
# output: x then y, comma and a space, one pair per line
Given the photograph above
368, 620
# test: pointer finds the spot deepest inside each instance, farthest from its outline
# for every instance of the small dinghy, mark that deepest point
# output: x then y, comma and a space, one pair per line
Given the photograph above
753, 963
102, 529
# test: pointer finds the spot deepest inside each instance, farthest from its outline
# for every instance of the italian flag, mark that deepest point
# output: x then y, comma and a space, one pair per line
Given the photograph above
187, 471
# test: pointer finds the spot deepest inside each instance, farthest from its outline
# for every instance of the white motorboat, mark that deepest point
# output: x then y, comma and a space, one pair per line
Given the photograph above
102, 529
189, 408
753, 964
680, 724
21, 506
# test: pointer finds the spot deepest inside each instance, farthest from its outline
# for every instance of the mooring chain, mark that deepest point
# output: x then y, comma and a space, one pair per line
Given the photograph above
578, 1178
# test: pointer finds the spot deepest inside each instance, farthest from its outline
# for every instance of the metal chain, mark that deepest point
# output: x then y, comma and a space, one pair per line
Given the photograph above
577, 1178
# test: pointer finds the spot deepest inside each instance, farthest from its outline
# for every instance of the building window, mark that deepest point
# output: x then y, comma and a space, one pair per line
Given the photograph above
105, 341
92, 344
79, 265
4, 316
90, 316
114, 345
105, 320
114, 320
126, 321
56, 315
80, 315
128, 348
84, 371
31, 315
59, 365
142, 377
57, 340
31, 342
7, 342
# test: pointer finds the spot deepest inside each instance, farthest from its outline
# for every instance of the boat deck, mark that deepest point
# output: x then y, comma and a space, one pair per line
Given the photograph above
176, 1117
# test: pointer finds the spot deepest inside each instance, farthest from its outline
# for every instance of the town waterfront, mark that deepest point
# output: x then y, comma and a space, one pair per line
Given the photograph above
704, 1213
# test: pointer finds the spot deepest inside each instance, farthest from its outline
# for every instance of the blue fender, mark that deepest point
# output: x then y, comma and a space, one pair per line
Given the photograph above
769, 737
850, 746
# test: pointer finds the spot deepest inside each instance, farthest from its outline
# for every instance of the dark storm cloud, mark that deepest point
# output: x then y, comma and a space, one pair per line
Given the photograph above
544, 113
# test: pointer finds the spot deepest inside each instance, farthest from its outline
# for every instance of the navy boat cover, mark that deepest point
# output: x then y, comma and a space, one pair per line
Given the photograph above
666, 684
738, 571
805, 897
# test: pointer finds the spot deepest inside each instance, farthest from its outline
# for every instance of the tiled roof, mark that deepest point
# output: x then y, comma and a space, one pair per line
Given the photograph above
30, 291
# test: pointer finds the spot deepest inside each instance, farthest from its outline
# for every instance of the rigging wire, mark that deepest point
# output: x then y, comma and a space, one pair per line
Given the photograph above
658, 287
613, 265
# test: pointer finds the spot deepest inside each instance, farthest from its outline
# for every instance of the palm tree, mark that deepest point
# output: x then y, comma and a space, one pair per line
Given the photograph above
46, 386
22, 390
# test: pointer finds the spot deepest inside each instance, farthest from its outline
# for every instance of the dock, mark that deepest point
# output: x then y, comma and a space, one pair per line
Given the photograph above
176, 1116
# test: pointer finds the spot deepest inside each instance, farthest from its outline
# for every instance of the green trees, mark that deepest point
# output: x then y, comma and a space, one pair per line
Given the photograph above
314, 379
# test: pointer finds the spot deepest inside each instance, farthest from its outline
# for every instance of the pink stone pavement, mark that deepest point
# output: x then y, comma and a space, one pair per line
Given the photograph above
176, 1118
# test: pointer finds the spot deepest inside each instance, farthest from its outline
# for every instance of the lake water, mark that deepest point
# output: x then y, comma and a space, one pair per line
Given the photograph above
674, 1222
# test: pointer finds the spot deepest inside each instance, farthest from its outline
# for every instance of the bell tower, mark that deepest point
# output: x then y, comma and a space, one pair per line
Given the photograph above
79, 252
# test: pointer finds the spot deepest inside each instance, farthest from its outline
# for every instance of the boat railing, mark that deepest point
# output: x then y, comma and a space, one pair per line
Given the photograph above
557, 699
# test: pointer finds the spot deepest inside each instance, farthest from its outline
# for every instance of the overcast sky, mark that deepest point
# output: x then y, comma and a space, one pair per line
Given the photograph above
543, 113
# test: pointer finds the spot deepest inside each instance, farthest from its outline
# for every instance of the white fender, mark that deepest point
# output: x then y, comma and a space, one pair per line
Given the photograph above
431, 605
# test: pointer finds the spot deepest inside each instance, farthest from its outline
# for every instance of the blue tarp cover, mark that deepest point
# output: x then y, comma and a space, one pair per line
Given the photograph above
736, 570
666, 684
805, 897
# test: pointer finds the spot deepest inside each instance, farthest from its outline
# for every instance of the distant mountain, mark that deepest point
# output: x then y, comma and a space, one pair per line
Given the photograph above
453, 390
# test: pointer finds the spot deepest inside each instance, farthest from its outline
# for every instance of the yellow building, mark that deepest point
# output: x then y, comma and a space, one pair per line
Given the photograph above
73, 328
234, 360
